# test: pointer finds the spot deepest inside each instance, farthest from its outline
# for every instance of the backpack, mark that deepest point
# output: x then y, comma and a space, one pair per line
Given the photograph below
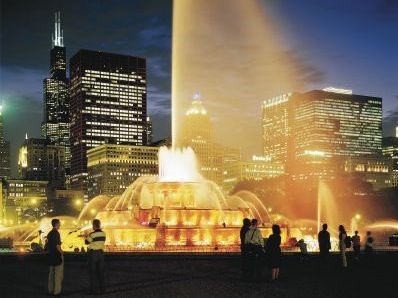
347, 241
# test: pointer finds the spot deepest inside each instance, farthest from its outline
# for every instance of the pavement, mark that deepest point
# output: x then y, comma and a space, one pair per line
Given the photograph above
203, 276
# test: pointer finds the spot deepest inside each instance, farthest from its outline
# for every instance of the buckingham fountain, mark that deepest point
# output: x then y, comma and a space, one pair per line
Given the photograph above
179, 210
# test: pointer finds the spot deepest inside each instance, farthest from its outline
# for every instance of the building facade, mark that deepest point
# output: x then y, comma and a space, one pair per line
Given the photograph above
27, 197
390, 149
316, 131
197, 133
149, 131
256, 169
276, 127
39, 159
56, 122
108, 104
112, 168
374, 169
5, 169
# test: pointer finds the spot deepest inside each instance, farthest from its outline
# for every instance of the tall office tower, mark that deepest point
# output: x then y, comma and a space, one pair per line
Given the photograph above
40, 160
107, 105
323, 128
55, 125
276, 127
5, 170
197, 133
149, 131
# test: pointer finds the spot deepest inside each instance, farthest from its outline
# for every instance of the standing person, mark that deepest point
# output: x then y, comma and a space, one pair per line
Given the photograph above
369, 243
342, 244
96, 245
324, 243
356, 245
55, 259
254, 248
273, 251
303, 250
245, 262
369, 248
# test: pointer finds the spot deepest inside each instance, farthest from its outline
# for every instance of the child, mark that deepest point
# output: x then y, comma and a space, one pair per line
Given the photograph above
303, 249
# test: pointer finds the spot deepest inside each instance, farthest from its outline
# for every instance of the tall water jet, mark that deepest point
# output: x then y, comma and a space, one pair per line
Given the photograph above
230, 51
326, 206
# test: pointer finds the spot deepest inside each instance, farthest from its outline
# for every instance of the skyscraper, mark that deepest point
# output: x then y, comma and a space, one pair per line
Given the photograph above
4, 150
39, 160
317, 130
55, 125
276, 127
112, 168
107, 105
197, 133
149, 131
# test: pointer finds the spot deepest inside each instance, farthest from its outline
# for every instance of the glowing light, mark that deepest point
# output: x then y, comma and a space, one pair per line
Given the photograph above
33, 201
23, 157
78, 202
357, 216
314, 152
93, 211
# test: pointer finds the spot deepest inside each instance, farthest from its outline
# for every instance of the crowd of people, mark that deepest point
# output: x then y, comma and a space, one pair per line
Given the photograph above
258, 252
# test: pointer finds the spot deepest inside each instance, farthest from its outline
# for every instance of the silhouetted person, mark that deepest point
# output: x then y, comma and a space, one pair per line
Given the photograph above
303, 250
356, 245
55, 259
245, 260
369, 248
254, 247
243, 230
273, 251
369, 243
324, 243
342, 245
96, 245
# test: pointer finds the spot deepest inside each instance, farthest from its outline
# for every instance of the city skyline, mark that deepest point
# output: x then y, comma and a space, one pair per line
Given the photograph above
148, 34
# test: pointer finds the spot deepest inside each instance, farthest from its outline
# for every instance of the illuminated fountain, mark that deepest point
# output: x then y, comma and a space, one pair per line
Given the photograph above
178, 210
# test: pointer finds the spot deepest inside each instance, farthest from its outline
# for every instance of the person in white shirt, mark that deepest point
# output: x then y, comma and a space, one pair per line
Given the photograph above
254, 243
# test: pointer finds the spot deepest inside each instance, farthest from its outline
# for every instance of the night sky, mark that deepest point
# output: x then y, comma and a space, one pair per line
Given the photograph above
347, 44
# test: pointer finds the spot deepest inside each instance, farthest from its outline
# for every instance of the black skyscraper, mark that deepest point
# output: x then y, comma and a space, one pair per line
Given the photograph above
107, 105
55, 126
4, 152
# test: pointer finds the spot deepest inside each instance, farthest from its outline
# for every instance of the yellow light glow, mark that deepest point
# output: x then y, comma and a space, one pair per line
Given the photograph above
357, 216
33, 201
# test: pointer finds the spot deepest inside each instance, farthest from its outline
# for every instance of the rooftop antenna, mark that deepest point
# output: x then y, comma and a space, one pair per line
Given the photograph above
58, 36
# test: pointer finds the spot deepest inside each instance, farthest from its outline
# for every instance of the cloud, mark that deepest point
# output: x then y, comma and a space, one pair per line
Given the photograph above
21, 81
159, 36
158, 67
390, 122
159, 103
306, 72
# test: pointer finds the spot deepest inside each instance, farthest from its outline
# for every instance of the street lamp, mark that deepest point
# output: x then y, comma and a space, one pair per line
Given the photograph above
78, 202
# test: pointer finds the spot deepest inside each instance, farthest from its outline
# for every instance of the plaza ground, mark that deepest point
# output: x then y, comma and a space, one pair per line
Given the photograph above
202, 276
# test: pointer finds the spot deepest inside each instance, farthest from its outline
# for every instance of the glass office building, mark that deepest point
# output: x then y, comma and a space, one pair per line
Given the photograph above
108, 104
